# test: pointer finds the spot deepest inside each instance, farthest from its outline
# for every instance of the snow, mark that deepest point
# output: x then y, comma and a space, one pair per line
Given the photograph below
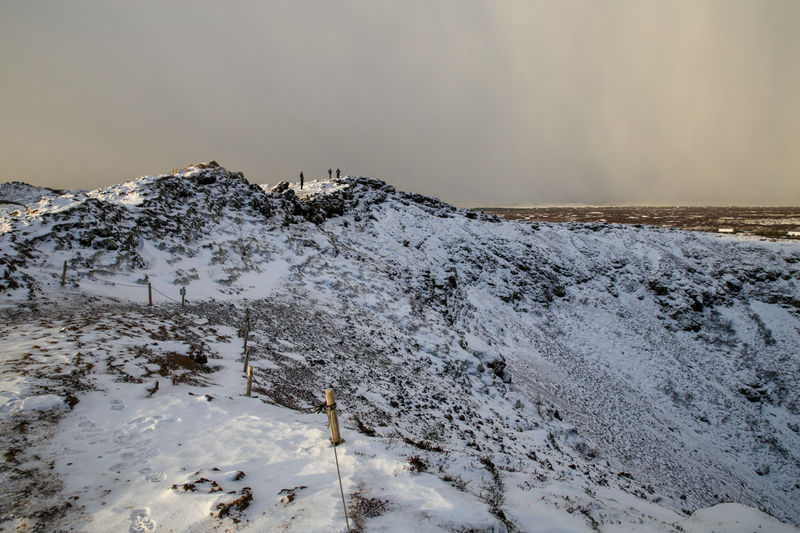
733, 518
42, 403
15, 195
120, 451
549, 377
125, 194
312, 187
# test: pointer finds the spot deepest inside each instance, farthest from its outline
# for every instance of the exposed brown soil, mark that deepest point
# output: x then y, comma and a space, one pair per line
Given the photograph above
235, 508
772, 222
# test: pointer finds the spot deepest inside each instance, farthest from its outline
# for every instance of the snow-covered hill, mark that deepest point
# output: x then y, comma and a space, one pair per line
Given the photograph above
16, 195
544, 377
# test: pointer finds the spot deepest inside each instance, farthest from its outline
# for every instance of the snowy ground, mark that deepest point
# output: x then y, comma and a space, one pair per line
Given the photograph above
123, 456
126, 457
491, 375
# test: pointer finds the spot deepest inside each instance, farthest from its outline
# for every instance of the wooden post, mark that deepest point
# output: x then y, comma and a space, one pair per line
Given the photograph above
336, 439
246, 359
64, 274
249, 380
183, 296
332, 418
149, 293
247, 330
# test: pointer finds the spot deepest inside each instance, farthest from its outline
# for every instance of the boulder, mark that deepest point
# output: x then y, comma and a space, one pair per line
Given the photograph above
280, 187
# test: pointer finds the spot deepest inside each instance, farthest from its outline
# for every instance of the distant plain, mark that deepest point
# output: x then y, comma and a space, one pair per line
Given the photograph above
771, 222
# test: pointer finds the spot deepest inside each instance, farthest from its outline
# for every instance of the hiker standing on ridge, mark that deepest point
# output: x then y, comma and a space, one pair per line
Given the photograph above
337, 173
329, 173
301, 180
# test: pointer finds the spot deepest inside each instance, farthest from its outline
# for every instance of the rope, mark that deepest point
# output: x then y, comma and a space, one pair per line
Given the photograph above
135, 286
115, 283
164, 295
330, 408
317, 409
341, 489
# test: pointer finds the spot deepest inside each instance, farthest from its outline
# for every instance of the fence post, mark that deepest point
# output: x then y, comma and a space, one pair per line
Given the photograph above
246, 359
334, 420
64, 274
247, 330
332, 417
249, 380
183, 296
149, 293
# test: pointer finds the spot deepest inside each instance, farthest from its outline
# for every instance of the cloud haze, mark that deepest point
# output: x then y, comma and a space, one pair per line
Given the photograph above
514, 102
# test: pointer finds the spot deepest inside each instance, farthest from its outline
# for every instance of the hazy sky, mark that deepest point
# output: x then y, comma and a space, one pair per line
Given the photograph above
477, 102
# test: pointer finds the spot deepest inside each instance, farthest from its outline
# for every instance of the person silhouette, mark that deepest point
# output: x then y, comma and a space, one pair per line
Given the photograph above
329, 173
301, 179
337, 173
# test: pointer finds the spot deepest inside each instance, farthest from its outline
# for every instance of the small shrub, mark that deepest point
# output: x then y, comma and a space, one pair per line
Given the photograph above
423, 445
457, 482
362, 507
417, 464
363, 428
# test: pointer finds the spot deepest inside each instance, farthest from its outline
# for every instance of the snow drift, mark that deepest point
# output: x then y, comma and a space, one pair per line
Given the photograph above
570, 377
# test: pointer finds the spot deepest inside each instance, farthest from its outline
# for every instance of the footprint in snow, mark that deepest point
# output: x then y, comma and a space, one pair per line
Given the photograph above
127, 455
86, 422
123, 437
130, 456
155, 477
87, 429
117, 405
141, 521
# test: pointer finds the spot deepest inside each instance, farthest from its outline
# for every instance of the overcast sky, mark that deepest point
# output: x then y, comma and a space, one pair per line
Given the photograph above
477, 102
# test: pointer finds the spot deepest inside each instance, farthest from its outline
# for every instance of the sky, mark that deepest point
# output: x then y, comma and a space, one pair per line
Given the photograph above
477, 102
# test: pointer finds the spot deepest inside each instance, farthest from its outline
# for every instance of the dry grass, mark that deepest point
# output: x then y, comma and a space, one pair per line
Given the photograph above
235, 508
363, 507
